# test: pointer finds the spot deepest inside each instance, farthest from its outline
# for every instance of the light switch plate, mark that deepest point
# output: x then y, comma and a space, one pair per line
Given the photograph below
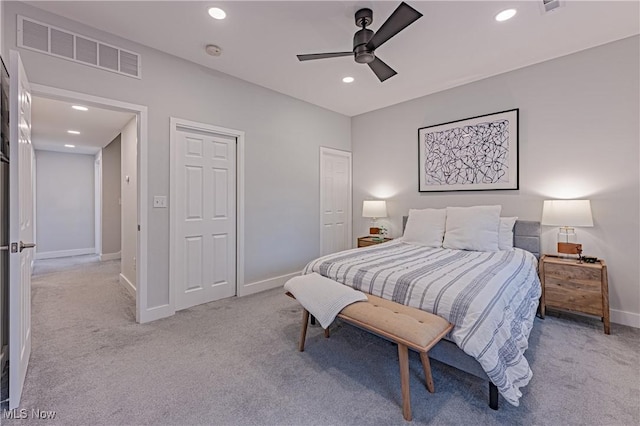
159, 201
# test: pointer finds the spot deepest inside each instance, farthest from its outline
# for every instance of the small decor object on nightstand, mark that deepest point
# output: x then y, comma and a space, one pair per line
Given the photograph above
572, 286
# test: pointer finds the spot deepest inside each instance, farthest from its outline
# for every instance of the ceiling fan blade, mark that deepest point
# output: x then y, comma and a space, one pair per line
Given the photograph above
323, 55
400, 19
381, 70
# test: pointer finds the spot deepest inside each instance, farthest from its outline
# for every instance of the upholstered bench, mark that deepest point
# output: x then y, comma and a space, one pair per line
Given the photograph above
409, 328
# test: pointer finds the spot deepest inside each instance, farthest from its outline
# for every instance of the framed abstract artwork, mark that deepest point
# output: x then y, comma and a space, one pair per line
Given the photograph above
474, 154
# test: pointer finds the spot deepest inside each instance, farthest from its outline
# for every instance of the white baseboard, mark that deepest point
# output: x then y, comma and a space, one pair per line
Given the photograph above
155, 313
625, 318
128, 285
109, 256
64, 253
267, 284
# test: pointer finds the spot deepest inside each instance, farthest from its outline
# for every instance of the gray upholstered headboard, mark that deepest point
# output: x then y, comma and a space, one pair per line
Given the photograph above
526, 235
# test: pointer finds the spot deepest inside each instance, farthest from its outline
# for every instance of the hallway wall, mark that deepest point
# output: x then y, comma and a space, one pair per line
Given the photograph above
111, 193
65, 221
129, 194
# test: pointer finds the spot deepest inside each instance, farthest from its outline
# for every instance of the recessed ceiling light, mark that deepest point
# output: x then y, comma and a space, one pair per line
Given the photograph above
217, 13
73, 132
348, 80
505, 15
80, 108
69, 146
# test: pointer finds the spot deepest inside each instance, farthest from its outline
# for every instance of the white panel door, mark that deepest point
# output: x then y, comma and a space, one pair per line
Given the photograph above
335, 200
20, 228
206, 217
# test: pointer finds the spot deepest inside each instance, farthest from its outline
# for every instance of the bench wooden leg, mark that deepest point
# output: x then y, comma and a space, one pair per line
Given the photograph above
403, 355
426, 366
303, 332
326, 333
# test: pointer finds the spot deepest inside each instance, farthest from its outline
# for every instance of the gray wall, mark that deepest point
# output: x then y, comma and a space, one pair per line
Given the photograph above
111, 197
65, 203
579, 138
283, 136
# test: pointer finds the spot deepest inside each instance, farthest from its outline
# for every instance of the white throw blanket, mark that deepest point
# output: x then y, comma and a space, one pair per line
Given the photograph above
322, 297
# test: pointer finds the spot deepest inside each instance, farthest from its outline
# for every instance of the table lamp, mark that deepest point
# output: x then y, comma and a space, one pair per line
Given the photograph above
374, 209
567, 214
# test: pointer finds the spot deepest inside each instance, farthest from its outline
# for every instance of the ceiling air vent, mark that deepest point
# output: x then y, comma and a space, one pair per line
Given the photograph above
550, 5
44, 38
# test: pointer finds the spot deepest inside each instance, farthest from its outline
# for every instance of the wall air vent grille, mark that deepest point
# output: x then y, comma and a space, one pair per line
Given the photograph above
44, 38
35, 36
129, 63
108, 57
61, 43
86, 51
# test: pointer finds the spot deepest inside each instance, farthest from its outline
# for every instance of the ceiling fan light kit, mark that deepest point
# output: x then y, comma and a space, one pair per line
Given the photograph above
365, 41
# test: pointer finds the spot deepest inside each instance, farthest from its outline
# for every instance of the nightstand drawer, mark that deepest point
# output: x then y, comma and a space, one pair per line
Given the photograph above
574, 276
564, 295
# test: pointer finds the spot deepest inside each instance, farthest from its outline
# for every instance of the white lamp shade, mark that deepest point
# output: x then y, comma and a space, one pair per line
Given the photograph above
375, 208
567, 213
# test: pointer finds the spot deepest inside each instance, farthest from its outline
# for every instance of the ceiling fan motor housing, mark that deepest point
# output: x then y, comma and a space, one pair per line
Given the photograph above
360, 40
364, 17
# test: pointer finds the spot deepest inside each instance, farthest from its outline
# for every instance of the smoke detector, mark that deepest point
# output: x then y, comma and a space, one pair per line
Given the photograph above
213, 50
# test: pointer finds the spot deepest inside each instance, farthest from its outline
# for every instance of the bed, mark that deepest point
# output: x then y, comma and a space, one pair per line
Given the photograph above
490, 297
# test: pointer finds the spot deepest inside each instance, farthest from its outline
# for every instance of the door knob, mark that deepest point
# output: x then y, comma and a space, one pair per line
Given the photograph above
26, 245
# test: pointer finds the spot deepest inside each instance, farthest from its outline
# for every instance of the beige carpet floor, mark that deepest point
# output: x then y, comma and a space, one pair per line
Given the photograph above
234, 362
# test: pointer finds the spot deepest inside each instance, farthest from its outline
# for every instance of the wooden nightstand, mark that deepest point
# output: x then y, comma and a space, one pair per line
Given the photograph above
370, 241
573, 286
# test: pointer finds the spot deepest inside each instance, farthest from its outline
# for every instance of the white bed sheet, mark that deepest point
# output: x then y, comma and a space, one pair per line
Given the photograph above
490, 297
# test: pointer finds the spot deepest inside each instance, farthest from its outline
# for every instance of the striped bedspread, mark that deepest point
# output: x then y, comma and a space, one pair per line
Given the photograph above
490, 297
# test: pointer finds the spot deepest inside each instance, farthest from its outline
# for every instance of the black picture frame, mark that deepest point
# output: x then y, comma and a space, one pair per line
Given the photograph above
478, 153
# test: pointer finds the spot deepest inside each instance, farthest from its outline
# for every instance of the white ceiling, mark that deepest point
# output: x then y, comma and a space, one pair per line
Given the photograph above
52, 118
454, 43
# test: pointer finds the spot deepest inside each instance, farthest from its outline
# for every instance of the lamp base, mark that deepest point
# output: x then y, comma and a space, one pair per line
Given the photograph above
571, 248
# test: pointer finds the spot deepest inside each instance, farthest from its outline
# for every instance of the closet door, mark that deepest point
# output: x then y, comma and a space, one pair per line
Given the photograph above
205, 197
335, 200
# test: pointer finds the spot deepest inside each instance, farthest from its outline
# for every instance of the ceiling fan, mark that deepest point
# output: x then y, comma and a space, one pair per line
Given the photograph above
365, 41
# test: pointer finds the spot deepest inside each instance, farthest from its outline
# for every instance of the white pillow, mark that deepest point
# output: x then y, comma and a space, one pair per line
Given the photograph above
472, 228
425, 227
505, 234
